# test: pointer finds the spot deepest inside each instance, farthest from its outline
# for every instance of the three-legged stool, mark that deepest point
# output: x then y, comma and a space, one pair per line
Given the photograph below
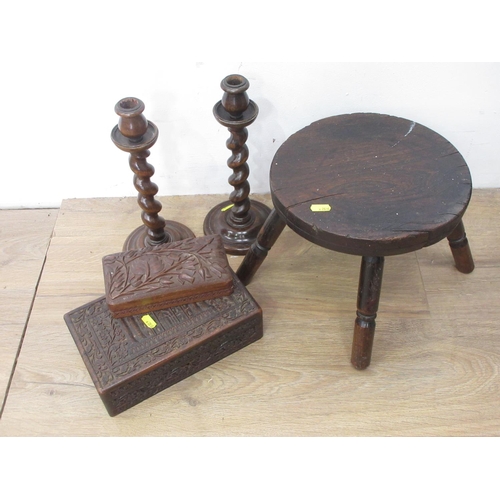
370, 185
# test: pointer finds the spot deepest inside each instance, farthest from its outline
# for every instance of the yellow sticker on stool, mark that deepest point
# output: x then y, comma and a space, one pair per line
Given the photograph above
320, 207
148, 321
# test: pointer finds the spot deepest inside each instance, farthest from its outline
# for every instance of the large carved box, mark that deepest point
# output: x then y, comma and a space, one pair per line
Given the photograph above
131, 359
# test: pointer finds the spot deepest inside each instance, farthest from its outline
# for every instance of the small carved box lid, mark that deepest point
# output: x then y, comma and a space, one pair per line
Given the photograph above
166, 275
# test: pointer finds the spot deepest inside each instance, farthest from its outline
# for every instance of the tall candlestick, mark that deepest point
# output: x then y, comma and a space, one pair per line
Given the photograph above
136, 135
238, 221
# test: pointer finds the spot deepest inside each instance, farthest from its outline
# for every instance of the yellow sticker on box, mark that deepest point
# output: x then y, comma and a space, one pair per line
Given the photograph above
320, 207
148, 321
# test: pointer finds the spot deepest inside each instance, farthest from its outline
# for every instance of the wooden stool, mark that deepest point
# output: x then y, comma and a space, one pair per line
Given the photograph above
370, 185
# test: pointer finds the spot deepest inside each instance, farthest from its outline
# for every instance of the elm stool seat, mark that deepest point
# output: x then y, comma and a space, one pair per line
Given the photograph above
371, 185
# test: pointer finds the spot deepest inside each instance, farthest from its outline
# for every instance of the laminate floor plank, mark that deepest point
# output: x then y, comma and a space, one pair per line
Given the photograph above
24, 239
435, 365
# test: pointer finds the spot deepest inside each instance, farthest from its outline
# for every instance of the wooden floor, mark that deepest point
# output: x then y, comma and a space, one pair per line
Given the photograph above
435, 366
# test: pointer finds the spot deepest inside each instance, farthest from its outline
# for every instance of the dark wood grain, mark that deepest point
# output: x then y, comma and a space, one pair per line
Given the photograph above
393, 185
371, 185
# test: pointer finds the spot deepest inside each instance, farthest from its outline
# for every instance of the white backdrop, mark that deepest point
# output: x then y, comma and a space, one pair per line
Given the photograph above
66, 65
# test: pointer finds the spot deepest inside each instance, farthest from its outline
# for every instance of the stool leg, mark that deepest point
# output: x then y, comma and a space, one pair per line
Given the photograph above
268, 234
370, 284
460, 249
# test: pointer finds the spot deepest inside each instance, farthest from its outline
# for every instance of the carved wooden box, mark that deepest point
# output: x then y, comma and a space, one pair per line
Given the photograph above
131, 359
166, 275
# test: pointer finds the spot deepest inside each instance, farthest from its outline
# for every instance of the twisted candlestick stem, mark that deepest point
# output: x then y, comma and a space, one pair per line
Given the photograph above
147, 189
238, 179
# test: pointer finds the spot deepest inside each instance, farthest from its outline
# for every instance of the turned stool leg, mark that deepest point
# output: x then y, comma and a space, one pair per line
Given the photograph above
268, 234
370, 284
460, 249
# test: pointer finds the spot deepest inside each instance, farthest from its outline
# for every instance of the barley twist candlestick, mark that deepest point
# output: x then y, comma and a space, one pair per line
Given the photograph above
136, 135
239, 221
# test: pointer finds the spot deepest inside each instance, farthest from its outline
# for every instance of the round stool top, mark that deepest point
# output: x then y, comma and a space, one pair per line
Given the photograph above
370, 184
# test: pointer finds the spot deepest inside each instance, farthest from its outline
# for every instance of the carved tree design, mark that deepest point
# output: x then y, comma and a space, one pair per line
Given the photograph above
183, 263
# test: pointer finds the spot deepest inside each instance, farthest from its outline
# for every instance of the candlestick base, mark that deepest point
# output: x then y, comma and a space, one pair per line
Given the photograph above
237, 240
174, 231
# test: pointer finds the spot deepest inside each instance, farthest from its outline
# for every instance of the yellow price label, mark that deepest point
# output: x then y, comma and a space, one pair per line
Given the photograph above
320, 207
148, 321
